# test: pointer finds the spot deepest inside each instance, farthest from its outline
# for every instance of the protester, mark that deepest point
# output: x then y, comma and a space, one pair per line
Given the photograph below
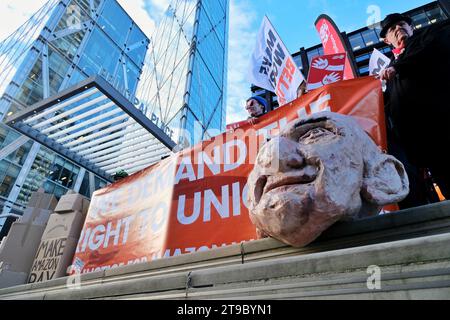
301, 89
416, 101
256, 106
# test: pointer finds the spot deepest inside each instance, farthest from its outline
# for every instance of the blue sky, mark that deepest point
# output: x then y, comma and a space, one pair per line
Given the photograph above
294, 19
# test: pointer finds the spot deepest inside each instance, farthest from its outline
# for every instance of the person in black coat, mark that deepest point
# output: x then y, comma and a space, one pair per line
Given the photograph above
417, 100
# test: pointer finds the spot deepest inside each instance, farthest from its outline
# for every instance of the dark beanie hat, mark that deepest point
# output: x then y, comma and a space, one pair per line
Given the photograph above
260, 100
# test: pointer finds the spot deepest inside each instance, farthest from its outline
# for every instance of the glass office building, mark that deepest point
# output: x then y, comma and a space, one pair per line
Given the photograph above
206, 103
184, 80
178, 80
65, 42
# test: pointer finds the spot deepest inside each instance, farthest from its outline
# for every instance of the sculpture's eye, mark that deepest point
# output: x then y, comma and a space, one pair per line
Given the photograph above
315, 135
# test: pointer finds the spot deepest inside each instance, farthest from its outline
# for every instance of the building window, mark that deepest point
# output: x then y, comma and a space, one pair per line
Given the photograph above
356, 41
314, 53
364, 70
32, 91
74, 15
64, 173
20, 155
100, 53
7, 136
40, 171
136, 45
50, 171
363, 57
115, 22
58, 67
420, 20
8, 175
99, 183
55, 189
370, 37
69, 44
85, 188
130, 71
298, 61
435, 15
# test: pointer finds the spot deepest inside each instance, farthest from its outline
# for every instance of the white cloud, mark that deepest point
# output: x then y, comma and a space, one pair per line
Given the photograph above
137, 9
15, 13
242, 39
160, 5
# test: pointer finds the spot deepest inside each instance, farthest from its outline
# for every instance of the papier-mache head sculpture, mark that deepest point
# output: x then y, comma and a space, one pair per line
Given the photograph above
320, 170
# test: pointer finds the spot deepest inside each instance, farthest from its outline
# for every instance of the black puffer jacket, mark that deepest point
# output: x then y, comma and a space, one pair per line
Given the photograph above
417, 100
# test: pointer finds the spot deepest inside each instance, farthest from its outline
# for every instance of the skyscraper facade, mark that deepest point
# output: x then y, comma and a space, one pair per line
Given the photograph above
62, 44
177, 79
183, 85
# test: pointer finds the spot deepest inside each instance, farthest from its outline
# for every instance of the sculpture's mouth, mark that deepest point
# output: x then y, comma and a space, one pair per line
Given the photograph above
265, 184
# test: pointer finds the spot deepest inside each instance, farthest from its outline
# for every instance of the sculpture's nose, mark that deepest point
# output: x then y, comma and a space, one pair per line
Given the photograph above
293, 160
282, 155
289, 157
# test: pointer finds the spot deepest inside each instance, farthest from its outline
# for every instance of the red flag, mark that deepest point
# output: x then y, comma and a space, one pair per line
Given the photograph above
326, 70
333, 42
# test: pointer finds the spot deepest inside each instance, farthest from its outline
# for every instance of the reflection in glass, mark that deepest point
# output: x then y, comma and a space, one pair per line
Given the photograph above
370, 37
99, 53
115, 22
435, 15
420, 20
356, 41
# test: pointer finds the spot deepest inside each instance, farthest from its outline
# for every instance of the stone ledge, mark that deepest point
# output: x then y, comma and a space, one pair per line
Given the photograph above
423, 250
394, 278
417, 222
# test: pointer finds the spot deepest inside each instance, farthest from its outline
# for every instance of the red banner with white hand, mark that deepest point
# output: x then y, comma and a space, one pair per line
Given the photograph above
333, 43
326, 70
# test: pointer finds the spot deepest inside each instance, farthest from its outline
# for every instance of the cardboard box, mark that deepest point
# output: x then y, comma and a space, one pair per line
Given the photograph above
53, 258
60, 238
42, 200
36, 216
11, 278
20, 246
72, 202
64, 225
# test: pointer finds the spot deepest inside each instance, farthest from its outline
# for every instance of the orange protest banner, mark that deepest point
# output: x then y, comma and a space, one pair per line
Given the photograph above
196, 199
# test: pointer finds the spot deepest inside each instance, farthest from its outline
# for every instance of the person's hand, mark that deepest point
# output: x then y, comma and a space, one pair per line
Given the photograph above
331, 78
320, 64
388, 74
253, 121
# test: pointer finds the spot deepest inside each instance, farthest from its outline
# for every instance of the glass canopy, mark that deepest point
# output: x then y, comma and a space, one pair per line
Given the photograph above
94, 125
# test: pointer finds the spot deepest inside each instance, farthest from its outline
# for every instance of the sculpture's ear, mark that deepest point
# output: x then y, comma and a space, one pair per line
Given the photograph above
385, 181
